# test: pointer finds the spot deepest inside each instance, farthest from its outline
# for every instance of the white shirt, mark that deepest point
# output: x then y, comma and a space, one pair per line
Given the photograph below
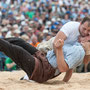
71, 30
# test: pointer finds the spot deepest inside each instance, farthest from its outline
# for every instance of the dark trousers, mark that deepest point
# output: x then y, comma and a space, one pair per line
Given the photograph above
20, 42
20, 52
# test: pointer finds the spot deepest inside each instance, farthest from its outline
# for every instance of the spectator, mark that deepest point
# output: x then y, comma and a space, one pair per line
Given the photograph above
9, 65
34, 41
30, 13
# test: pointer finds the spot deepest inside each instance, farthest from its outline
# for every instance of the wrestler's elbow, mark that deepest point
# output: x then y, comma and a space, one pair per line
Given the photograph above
64, 69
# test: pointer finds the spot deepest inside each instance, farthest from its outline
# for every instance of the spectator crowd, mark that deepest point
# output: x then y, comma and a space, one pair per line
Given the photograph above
37, 21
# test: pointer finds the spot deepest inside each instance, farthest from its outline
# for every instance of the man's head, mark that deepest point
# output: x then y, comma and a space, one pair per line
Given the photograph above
34, 39
85, 27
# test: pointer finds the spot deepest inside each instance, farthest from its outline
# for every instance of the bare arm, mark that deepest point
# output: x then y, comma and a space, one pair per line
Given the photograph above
62, 65
60, 35
68, 75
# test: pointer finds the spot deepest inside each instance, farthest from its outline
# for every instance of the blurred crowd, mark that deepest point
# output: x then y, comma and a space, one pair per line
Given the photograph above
36, 21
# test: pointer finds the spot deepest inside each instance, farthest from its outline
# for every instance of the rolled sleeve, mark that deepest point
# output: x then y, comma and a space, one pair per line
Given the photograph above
74, 56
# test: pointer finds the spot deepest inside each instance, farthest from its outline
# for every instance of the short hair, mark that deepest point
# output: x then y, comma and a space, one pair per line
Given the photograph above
86, 19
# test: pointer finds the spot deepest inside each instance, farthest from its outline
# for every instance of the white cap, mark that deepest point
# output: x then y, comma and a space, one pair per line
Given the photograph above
53, 19
31, 22
48, 23
15, 25
45, 31
4, 30
46, 27
8, 25
17, 31
23, 23
30, 29
12, 6
26, 19
18, 18
58, 19
40, 21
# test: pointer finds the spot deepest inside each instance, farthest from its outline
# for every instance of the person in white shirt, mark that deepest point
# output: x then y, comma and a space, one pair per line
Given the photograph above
70, 33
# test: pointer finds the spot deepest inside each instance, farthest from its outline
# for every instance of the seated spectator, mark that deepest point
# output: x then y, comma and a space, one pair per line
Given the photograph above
54, 30
34, 41
10, 65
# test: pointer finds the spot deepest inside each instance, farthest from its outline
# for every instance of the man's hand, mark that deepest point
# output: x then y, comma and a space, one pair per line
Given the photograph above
59, 44
68, 75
